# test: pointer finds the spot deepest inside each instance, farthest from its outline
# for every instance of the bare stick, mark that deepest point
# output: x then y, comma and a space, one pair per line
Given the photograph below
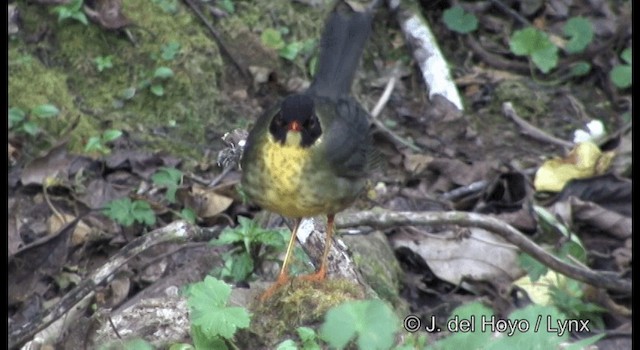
383, 218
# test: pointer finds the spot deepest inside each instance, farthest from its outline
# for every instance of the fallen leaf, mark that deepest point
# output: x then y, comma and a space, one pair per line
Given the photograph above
482, 256
107, 13
583, 161
211, 203
54, 164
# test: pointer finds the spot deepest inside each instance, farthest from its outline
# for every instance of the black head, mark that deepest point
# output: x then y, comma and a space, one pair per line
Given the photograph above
297, 114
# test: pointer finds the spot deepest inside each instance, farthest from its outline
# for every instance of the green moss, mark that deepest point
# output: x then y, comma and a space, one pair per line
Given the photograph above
301, 303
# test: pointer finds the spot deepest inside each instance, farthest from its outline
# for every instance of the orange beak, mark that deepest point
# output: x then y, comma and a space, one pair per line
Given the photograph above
295, 126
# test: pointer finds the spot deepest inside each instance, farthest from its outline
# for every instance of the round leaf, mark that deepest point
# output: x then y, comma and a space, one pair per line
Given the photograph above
46, 111
163, 73
458, 20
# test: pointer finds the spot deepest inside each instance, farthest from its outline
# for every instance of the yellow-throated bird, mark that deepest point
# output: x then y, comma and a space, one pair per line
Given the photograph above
309, 155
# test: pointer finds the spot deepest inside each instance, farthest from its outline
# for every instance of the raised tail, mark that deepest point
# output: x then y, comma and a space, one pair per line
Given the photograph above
345, 34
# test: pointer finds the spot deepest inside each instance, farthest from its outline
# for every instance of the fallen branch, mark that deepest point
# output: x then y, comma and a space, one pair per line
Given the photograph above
177, 231
383, 218
532, 131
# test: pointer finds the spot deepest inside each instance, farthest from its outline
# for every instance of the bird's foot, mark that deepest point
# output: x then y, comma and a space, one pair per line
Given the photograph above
318, 276
282, 279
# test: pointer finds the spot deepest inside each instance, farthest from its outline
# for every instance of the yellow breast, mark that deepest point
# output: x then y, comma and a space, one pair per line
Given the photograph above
285, 165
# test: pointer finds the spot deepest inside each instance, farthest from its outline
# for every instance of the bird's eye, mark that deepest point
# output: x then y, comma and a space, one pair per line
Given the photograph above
311, 122
279, 120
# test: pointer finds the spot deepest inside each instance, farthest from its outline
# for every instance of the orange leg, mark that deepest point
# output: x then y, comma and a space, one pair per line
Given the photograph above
321, 274
283, 277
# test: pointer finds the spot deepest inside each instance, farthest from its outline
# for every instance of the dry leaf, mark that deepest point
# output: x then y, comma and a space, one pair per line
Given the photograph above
482, 256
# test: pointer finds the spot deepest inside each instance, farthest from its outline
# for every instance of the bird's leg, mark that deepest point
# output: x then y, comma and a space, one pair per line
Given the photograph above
321, 274
283, 276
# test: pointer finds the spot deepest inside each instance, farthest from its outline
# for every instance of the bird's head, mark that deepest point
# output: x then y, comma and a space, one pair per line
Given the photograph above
296, 122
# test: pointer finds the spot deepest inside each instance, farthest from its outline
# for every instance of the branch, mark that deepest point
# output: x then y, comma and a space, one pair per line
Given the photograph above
383, 218
177, 231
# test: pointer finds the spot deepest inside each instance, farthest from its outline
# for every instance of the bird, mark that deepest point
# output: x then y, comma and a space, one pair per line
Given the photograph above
310, 154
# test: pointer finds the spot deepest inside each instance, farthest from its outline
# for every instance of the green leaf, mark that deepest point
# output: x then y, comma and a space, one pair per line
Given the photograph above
585, 343
228, 6
290, 51
31, 128
163, 73
120, 211
371, 321
534, 268
189, 215
16, 115
621, 76
473, 314
227, 236
580, 68
458, 20
94, 144
626, 55
111, 135
287, 345
544, 316
207, 301
157, 90
46, 111
580, 30
272, 38
271, 238
181, 346
536, 44
202, 340
142, 212
137, 344
170, 51
128, 93
167, 177
545, 59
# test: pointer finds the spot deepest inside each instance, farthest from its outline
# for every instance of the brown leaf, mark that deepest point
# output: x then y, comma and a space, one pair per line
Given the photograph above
44, 257
54, 164
211, 203
482, 256
608, 191
107, 13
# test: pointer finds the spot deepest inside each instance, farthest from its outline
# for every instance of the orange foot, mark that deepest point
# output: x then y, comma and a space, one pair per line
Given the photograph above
320, 275
283, 279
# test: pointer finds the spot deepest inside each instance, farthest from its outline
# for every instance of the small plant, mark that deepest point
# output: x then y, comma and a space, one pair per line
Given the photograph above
459, 20
537, 46
371, 322
98, 143
22, 122
168, 6
620, 75
71, 10
272, 38
580, 30
213, 323
103, 62
170, 178
170, 51
126, 212
227, 5
154, 83
249, 239
308, 339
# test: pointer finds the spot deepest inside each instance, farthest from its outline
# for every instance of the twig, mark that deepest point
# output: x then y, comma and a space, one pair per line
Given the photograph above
177, 231
382, 218
511, 12
378, 108
494, 60
530, 130
218, 39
